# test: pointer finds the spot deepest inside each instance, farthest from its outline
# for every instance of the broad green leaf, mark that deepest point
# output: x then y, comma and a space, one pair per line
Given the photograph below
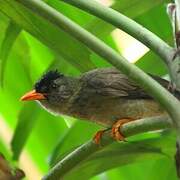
11, 34
27, 118
79, 133
41, 57
135, 8
130, 8
151, 63
59, 41
121, 154
16, 81
77, 15
165, 168
154, 24
44, 137
64, 67
4, 22
163, 165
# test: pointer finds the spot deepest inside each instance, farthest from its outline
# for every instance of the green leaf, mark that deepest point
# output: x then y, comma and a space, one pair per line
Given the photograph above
120, 154
11, 34
150, 63
77, 15
130, 8
134, 8
16, 81
59, 41
154, 24
40, 57
163, 165
48, 129
73, 138
26, 122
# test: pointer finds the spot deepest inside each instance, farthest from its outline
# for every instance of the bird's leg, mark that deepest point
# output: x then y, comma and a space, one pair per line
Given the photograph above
171, 87
98, 136
116, 129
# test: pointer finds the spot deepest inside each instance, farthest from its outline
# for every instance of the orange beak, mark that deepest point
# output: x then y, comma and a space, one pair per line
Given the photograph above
32, 95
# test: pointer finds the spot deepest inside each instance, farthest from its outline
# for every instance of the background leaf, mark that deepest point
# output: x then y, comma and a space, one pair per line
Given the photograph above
122, 154
24, 127
60, 42
11, 34
76, 136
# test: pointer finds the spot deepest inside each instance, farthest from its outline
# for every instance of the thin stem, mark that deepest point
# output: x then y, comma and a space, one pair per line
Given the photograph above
167, 100
171, 11
177, 3
89, 148
126, 24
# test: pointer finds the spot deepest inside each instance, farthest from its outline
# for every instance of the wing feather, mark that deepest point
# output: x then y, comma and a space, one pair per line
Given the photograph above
112, 83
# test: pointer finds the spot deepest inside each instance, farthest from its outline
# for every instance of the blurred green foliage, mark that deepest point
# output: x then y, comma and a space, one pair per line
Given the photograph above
30, 46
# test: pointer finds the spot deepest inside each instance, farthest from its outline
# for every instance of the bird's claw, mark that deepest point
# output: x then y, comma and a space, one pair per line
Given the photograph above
116, 134
116, 129
171, 87
98, 136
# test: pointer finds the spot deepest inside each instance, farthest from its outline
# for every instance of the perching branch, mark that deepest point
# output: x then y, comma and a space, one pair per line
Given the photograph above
126, 24
89, 148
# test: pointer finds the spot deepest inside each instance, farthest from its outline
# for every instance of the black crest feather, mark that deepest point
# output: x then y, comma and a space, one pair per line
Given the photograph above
46, 79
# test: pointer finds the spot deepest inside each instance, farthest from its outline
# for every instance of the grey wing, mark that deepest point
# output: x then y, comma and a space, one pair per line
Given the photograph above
112, 83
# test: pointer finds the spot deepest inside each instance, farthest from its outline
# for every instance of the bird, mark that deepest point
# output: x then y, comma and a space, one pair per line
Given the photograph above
104, 96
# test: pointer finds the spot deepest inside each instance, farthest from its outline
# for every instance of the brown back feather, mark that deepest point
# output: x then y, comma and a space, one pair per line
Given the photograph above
112, 83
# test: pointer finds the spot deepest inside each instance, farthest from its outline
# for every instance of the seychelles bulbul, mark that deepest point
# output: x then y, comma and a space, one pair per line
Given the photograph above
105, 96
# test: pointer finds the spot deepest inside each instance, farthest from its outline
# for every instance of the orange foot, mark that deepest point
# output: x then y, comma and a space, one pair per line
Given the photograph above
116, 132
98, 135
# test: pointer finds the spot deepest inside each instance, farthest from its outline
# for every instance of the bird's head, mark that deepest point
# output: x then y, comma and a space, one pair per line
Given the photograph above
52, 90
